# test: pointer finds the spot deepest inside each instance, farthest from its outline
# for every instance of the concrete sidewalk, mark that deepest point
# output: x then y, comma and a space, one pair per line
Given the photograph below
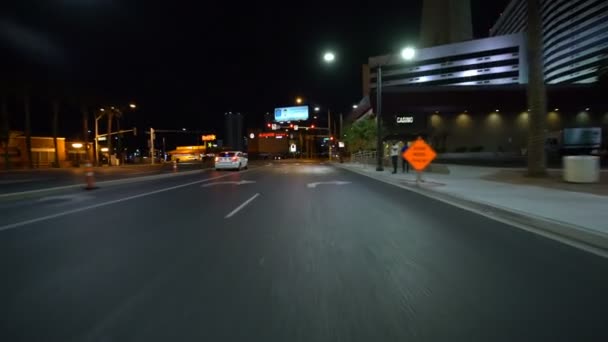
581, 206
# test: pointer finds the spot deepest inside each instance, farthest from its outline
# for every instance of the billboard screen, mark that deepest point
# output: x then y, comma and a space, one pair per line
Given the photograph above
291, 113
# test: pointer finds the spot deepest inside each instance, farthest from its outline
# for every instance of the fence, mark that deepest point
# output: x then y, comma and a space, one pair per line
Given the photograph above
368, 158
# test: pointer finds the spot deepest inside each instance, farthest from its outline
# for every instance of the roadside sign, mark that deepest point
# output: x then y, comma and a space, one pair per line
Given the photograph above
419, 155
293, 148
275, 127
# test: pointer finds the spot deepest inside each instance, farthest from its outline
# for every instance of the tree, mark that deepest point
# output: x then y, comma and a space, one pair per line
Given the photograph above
361, 135
56, 131
537, 93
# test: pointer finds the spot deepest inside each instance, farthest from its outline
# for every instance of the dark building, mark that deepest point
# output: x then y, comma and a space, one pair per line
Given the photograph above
234, 138
445, 22
471, 95
575, 37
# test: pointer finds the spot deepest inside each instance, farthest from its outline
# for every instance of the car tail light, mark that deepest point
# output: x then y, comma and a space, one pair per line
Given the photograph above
235, 158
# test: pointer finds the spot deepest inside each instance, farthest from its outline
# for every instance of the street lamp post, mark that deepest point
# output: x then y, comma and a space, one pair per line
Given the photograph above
96, 145
407, 54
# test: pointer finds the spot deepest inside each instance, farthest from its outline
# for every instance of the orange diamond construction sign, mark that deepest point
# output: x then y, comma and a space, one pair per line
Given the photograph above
419, 155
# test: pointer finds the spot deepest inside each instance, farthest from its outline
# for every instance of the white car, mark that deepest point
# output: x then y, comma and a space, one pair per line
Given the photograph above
233, 160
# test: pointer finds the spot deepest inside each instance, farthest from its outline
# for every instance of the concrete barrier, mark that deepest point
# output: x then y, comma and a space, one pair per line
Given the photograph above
438, 168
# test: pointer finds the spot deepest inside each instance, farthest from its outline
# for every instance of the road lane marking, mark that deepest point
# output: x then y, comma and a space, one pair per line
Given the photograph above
314, 185
95, 206
232, 213
224, 183
108, 182
20, 181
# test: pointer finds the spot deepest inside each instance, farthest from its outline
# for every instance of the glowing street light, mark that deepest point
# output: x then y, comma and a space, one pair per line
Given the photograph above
132, 105
355, 106
408, 53
317, 109
298, 100
329, 57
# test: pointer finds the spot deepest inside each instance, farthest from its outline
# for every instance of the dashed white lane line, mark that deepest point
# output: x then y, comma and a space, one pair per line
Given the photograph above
232, 213
99, 205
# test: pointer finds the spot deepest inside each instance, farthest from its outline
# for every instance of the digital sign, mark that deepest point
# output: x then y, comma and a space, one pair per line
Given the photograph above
272, 135
291, 113
209, 137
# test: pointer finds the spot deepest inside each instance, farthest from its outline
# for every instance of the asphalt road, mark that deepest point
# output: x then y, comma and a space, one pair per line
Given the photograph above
278, 258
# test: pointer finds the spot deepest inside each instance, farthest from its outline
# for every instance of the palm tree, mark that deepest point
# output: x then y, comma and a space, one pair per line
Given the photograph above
55, 131
537, 94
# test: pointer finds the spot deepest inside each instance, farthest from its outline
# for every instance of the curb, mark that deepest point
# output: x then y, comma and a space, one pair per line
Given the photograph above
110, 182
573, 235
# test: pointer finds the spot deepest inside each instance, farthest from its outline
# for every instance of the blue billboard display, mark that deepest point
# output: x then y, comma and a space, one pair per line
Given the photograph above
291, 113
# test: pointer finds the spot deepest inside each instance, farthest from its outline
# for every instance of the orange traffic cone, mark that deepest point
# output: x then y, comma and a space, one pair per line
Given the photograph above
175, 166
89, 177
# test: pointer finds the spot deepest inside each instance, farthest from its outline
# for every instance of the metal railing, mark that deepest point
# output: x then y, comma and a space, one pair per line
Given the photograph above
367, 158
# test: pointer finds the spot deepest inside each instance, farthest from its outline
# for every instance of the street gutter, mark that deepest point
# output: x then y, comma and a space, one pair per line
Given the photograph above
576, 236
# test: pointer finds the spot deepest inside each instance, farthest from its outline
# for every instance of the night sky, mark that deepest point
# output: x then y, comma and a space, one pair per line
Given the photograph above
185, 63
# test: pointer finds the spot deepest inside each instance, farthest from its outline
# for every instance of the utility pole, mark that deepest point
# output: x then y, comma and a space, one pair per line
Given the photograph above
96, 145
379, 144
110, 115
152, 145
164, 150
329, 128
85, 128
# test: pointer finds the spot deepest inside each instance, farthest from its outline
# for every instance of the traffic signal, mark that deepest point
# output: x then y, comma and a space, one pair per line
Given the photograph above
290, 125
331, 138
269, 125
312, 126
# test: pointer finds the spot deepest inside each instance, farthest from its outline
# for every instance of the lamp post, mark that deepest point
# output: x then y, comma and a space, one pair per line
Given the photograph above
96, 145
407, 54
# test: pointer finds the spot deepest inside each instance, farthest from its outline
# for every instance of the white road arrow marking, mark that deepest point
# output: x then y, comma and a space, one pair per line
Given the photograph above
224, 183
314, 185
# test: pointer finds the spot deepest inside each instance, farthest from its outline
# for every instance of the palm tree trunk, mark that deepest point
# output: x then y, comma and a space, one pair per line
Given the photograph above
5, 133
55, 131
85, 129
28, 130
537, 94
109, 140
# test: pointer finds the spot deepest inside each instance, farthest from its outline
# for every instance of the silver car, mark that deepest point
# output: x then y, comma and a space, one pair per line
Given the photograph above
233, 160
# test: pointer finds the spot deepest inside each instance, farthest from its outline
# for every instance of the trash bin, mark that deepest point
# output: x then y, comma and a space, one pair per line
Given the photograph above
581, 169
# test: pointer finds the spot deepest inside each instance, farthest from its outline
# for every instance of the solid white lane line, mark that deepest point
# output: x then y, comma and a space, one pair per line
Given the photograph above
99, 205
108, 182
232, 213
